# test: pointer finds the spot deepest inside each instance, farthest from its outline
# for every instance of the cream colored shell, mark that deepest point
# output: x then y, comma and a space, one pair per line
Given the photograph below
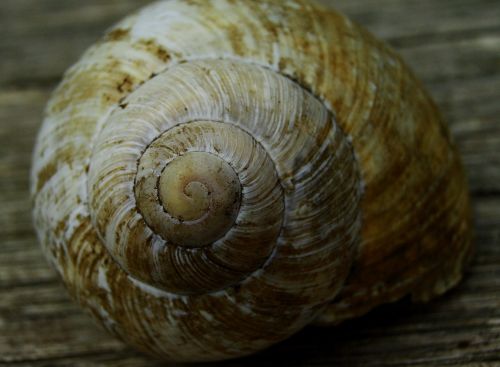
212, 176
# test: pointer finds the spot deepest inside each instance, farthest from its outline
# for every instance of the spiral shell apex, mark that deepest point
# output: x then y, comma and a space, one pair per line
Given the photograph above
211, 177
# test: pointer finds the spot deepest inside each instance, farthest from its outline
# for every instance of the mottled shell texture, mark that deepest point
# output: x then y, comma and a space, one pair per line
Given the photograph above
212, 176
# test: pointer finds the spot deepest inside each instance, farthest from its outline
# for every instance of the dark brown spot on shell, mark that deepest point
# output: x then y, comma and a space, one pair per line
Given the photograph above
125, 85
284, 62
151, 46
61, 227
117, 34
46, 174
236, 36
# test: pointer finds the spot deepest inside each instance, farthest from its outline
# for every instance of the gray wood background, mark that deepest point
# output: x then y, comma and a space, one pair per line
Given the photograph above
453, 46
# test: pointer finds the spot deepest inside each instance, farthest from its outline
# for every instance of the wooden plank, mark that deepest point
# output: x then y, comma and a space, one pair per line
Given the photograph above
421, 20
53, 35
56, 32
453, 46
465, 324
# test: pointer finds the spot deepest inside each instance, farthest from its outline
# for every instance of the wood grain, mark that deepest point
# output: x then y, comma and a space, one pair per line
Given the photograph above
452, 45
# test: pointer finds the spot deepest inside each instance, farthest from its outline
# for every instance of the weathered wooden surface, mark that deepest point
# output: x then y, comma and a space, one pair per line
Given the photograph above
453, 46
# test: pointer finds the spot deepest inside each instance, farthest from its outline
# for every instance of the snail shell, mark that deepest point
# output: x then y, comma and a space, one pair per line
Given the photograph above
211, 177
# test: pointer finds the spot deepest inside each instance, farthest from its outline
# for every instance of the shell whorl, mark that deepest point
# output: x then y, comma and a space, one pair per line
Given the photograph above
211, 165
